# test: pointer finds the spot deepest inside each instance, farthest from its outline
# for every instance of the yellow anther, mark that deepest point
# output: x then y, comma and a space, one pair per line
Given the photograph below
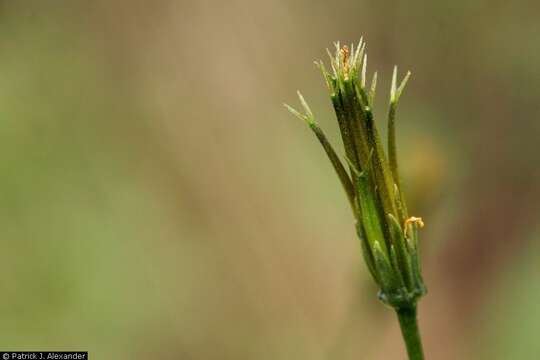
413, 220
345, 52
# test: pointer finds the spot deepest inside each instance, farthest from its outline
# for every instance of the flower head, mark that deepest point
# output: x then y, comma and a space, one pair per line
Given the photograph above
371, 180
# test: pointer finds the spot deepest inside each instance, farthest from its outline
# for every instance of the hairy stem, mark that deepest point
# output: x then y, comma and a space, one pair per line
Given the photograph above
409, 330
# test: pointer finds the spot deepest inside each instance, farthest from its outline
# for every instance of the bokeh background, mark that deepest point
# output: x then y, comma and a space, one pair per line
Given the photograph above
157, 201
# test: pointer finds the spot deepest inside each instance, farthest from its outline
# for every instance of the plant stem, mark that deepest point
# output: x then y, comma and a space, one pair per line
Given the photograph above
409, 330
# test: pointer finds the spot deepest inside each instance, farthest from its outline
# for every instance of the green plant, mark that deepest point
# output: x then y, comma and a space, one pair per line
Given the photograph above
388, 235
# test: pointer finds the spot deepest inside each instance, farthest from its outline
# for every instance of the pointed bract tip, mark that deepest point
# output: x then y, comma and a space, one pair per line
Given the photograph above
358, 56
364, 69
402, 85
304, 104
374, 83
393, 86
308, 120
373, 88
294, 112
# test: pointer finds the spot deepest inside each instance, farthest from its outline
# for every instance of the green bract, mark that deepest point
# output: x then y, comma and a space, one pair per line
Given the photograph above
389, 236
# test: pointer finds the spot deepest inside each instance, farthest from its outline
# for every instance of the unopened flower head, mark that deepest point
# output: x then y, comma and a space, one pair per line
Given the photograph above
370, 176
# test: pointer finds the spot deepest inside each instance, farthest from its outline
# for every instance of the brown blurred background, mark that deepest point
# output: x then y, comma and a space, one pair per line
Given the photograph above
157, 200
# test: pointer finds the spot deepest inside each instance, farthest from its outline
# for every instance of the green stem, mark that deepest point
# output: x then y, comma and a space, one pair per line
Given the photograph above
409, 330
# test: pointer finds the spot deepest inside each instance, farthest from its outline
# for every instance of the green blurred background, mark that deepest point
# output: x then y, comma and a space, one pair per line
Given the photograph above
157, 201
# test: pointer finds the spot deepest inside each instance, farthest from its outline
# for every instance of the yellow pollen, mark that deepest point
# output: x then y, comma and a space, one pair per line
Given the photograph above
345, 52
413, 220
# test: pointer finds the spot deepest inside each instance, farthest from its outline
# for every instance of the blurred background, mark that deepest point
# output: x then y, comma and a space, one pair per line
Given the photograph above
157, 200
